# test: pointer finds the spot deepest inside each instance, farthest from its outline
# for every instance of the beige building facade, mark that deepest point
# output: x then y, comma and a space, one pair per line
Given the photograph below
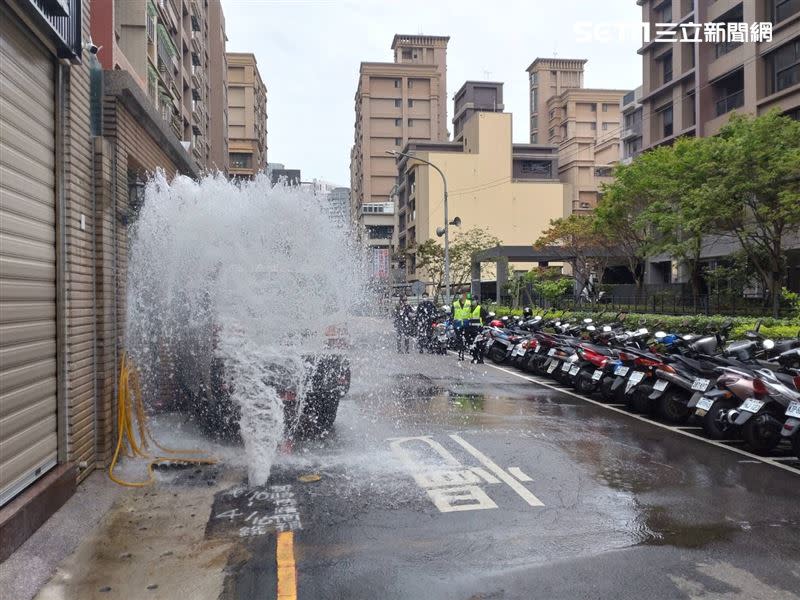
692, 89
218, 90
247, 116
512, 190
584, 123
395, 103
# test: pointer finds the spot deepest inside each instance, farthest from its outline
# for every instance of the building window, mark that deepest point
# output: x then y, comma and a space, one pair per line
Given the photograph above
535, 138
410, 83
534, 78
585, 205
729, 92
780, 10
605, 126
783, 67
593, 126
410, 103
241, 160
736, 15
632, 147
593, 106
379, 232
664, 12
603, 171
407, 53
397, 83
551, 133
552, 113
410, 122
398, 122
605, 107
665, 116
665, 66
398, 103
397, 141
534, 122
537, 169
534, 96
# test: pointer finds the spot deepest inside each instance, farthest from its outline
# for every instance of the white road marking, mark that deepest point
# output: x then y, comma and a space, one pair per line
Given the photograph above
468, 497
517, 472
767, 461
487, 462
488, 477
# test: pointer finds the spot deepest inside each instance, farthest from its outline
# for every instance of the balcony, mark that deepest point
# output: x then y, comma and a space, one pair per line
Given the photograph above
729, 103
379, 208
633, 130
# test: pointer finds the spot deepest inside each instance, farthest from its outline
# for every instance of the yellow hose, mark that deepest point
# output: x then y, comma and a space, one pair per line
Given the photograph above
129, 399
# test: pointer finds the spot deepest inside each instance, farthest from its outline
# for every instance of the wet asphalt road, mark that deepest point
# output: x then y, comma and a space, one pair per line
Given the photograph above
500, 488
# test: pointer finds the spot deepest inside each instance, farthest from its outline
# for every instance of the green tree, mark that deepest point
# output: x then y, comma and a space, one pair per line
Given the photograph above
755, 193
430, 256
587, 244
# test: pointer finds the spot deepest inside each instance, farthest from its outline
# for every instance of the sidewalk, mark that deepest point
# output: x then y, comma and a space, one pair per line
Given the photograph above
29, 568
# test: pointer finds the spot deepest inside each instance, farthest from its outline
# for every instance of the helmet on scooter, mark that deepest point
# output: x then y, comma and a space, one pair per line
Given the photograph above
527, 312
496, 323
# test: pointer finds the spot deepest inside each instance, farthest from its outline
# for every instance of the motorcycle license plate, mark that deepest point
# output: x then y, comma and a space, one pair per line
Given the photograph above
793, 409
552, 367
636, 377
661, 385
597, 375
519, 350
752, 405
700, 385
551, 352
574, 370
704, 404
565, 366
621, 370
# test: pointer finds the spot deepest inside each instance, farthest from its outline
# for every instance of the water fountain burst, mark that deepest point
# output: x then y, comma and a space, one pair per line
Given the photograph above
245, 276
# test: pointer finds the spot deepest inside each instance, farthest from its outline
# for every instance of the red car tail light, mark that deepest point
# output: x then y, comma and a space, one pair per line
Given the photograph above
759, 389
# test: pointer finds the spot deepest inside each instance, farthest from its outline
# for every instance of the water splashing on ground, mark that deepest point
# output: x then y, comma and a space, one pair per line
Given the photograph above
231, 287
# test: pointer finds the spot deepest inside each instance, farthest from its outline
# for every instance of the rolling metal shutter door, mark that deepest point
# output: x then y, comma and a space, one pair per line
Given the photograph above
28, 425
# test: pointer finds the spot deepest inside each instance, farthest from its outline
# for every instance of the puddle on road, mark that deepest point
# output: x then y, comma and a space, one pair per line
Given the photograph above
659, 528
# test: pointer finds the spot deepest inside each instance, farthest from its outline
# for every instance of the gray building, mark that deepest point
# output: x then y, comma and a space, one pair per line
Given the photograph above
339, 205
631, 117
475, 96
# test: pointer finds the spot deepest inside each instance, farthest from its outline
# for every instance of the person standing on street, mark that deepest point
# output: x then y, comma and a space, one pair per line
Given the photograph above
478, 318
426, 313
462, 312
403, 324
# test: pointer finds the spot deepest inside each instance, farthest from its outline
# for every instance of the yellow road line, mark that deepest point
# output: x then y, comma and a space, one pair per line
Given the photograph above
287, 572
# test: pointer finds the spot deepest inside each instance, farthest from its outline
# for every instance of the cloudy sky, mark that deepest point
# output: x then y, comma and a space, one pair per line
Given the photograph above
309, 52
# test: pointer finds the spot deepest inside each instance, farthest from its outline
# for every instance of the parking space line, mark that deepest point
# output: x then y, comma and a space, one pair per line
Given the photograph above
287, 570
487, 462
768, 461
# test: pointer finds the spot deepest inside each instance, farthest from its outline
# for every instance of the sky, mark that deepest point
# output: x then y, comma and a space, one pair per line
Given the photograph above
309, 52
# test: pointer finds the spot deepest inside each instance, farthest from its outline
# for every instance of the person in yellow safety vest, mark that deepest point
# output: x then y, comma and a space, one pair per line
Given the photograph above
462, 312
462, 308
479, 312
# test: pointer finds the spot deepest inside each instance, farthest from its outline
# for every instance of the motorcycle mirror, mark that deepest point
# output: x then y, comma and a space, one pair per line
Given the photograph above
660, 335
587, 320
687, 336
607, 328
491, 314
591, 328
768, 344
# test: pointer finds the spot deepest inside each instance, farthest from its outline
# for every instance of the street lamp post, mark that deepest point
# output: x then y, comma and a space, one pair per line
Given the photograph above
445, 229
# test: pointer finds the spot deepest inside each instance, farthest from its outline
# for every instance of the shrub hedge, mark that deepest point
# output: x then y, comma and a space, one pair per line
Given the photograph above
772, 328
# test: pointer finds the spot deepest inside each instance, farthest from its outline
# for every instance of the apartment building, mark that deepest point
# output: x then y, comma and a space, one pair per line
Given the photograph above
165, 45
510, 189
339, 206
631, 123
692, 89
548, 77
218, 90
395, 103
475, 96
247, 116
583, 123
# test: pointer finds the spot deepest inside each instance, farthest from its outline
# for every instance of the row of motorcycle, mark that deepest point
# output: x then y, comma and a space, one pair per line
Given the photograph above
748, 388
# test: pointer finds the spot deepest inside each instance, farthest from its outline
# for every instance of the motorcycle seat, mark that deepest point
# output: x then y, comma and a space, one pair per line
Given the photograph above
604, 350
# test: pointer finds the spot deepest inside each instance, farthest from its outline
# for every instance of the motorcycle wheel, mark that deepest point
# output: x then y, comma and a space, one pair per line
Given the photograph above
715, 422
605, 388
672, 406
497, 355
760, 436
584, 383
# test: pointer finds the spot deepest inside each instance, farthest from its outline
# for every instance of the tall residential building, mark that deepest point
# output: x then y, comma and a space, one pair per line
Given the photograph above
692, 89
247, 116
548, 77
165, 45
218, 95
339, 206
475, 96
395, 103
631, 121
582, 122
